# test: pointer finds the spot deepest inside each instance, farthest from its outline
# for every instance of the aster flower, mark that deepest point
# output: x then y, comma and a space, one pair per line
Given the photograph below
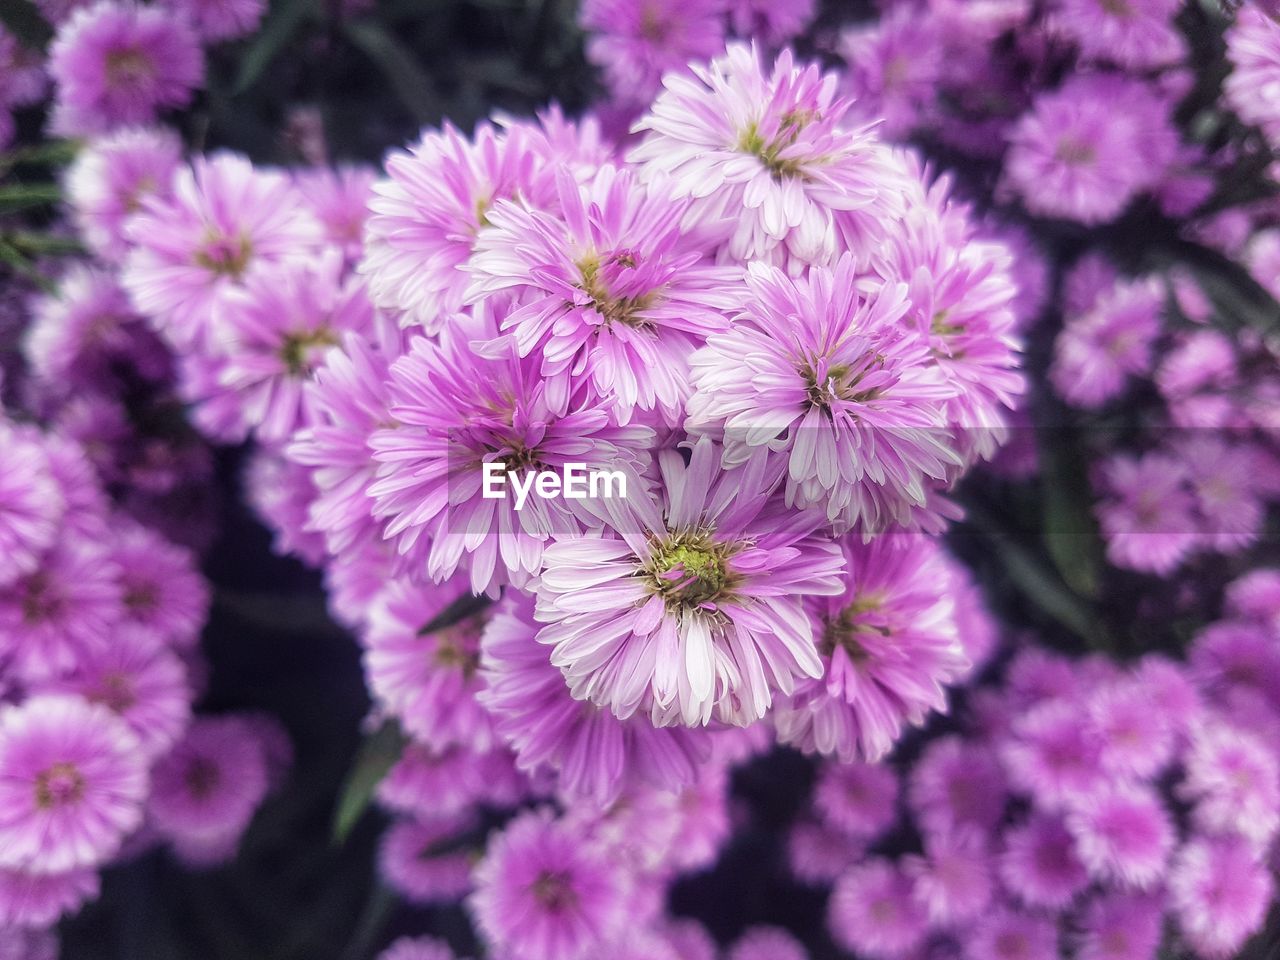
31, 504
767, 943
209, 785
1040, 865
607, 290
21, 72
1255, 597
453, 412
954, 880
418, 859
542, 894
1124, 835
18, 943
888, 645
428, 680
859, 798
873, 911
767, 155
1053, 756
1233, 655
339, 198
72, 783
1135, 34
281, 493
703, 822
216, 20
829, 380
1147, 519
894, 67
1233, 780
1007, 934
1253, 48
417, 948
696, 611
956, 784
34, 901
224, 219
430, 784
774, 22
119, 63
1121, 926
1219, 893
1135, 743
425, 218
817, 854
163, 591
594, 754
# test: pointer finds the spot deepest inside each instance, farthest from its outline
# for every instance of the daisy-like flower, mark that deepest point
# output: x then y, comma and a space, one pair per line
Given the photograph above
1219, 893
873, 911
1124, 835
766, 154
22, 74
1040, 864
61, 611
1253, 47
543, 894
608, 289
217, 20
110, 179
425, 218
829, 380
817, 854
430, 784
31, 504
894, 68
419, 859
281, 493
162, 589
1054, 756
696, 610
72, 785
428, 680
455, 411
1232, 656
1121, 926
1135, 742
224, 219
859, 798
767, 943
1135, 34
339, 198
957, 784
1084, 151
1234, 782
20, 943
636, 42
274, 332
955, 879
36, 901
594, 753
119, 63
888, 645
771, 21
1009, 934
1147, 517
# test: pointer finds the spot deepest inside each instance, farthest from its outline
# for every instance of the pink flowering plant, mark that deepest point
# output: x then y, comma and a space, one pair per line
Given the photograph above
639, 480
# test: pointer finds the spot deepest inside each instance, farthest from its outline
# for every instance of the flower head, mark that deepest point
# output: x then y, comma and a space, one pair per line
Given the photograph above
1124, 835
1219, 893
873, 911
1253, 47
1040, 864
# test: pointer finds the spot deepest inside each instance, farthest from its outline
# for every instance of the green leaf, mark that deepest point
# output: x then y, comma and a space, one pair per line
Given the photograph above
277, 30
24, 21
55, 153
377, 756
396, 61
465, 606
23, 196
1070, 533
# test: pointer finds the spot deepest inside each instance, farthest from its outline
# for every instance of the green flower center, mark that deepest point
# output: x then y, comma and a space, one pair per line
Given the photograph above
769, 152
614, 309
848, 627
691, 570
298, 350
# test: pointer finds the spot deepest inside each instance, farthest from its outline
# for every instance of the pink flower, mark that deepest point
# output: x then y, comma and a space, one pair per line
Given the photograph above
1099, 350
954, 880
1147, 519
767, 943
894, 67
162, 590
542, 894
72, 784
817, 854
1136, 34
31, 504
417, 859
860, 799
873, 911
1233, 780
774, 22
1054, 756
417, 948
339, 198
1119, 926
1124, 835
957, 783
1040, 864
1220, 894
1135, 741
281, 493
117, 64
697, 609
39, 900
216, 20
1253, 47
1007, 934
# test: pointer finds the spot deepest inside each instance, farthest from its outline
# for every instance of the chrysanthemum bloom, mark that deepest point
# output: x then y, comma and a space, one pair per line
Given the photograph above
767, 159
110, 178
1219, 892
22, 75
453, 412
417, 948
119, 63
1255, 597
31, 504
859, 798
1253, 47
888, 645
38, 900
1097, 351
163, 591
216, 20
1136, 741
1040, 864
428, 680
281, 493
543, 894
607, 290
224, 219
1084, 151
1135, 34
1232, 655
1229, 492
873, 912
594, 753
1148, 515
419, 859
894, 68
137, 678
956, 784
339, 198
774, 22
72, 785
832, 382
1010, 934
1121, 926
274, 332
61, 611
1124, 835
697, 609
636, 43
1233, 780
424, 220
209, 785
817, 854
430, 783
1054, 756
767, 943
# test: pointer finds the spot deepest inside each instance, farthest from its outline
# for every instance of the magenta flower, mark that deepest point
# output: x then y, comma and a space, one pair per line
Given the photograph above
1220, 894
281, 493
339, 198
1097, 351
429, 681
860, 799
1009, 934
833, 382
889, 646
873, 911
1147, 518
1253, 47
1040, 864
1120, 926
1233, 780
430, 784
38, 900
22, 75
163, 591
543, 894
417, 948
1135, 743
416, 859
766, 155
697, 610
817, 855
607, 290
72, 784
217, 20
954, 880
774, 22
957, 784
120, 63
31, 504
767, 943
594, 754
894, 67
1054, 756
1135, 34
1124, 835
